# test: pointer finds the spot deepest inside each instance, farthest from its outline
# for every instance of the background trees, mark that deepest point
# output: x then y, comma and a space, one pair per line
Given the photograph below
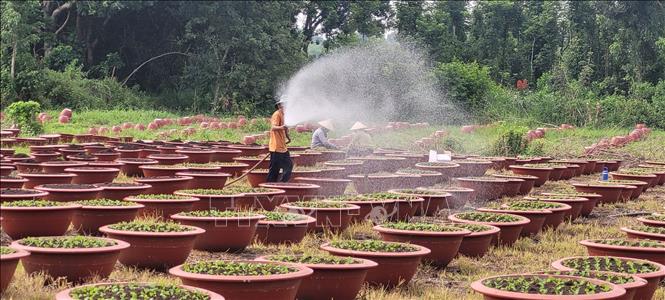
231, 56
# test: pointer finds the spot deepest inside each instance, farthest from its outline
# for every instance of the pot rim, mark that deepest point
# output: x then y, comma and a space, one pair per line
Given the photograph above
522, 222
592, 185
491, 231
419, 174
350, 207
369, 176
209, 174
13, 180
120, 245
491, 181
647, 221
125, 207
637, 232
479, 287
637, 283
450, 166
443, 194
153, 167
544, 211
461, 233
562, 200
130, 161
64, 294
660, 273
257, 217
301, 272
589, 196
307, 220
422, 251
64, 163
35, 195
169, 157
96, 170
330, 163
529, 168
143, 186
287, 186
201, 196
191, 199
202, 151
564, 207
68, 206
170, 179
222, 150
589, 243
448, 190
650, 176
18, 254
364, 264
194, 232
323, 179
58, 190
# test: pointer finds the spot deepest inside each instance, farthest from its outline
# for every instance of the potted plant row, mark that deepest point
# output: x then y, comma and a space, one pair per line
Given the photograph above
25, 218
330, 215
225, 230
162, 206
635, 248
553, 220
282, 227
96, 213
545, 286
136, 290
510, 225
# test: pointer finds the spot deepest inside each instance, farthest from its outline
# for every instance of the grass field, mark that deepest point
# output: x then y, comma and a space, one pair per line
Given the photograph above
528, 254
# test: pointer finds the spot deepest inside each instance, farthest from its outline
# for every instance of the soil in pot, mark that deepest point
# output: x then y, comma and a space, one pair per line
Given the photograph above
405, 206
652, 272
478, 242
374, 209
28, 166
334, 277
154, 244
70, 192
635, 248
244, 280
553, 220
510, 225
60, 166
162, 170
8, 194
9, 259
434, 200
442, 240
132, 166
397, 262
162, 206
39, 178
134, 290
12, 182
230, 231
576, 203
330, 215
212, 199
282, 227
164, 184
75, 258
630, 283
538, 286
99, 212
536, 217
23, 218
539, 171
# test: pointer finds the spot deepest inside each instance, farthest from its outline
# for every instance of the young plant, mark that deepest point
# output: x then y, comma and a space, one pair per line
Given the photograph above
105, 202
631, 243
534, 204
314, 259
372, 246
218, 214
319, 204
545, 285
235, 268
153, 291
419, 226
6, 250
150, 226
649, 229
610, 264
33, 203
487, 217
66, 242
160, 197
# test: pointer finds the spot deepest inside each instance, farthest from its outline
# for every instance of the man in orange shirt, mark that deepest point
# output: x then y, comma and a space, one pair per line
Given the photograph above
280, 159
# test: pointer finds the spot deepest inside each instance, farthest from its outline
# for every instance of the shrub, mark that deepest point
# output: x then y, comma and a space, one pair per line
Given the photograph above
466, 84
24, 115
510, 143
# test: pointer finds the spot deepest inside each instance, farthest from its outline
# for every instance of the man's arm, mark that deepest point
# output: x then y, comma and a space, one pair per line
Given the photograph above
324, 141
286, 132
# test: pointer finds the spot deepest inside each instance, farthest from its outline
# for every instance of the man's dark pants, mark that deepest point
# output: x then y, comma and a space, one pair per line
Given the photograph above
280, 161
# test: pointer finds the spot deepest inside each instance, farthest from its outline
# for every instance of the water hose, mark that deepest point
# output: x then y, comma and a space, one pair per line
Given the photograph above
249, 170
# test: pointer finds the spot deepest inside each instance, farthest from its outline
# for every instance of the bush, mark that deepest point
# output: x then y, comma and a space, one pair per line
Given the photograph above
510, 143
24, 115
467, 84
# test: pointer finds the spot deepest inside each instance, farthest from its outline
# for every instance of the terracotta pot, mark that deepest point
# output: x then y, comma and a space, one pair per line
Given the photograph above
329, 186
249, 150
164, 184
556, 218
8, 194
257, 177
163, 208
6, 170
236, 169
609, 193
406, 208
119, 191
8, 263
106, 156
20, 222
333, 281
335, 219
232, 234
649, 222
132, 166
197, 156
74, 264
423, 179
476, 244
254, 161
91, 175
28, 167
12, 182
52, 167
350, 167
650, 179
510, 231
486, 188
444, 245
644, 293
627, 192
375, 210
368, 183
212, 202
304, 173
88, 219
294, 191
35, 179
394, 268
557, 172
471, 167
264, 200
542, 174
536, 217
328, 155
630, 287
128, 153
145, 152
656, 255
283, 232
432, 203
168, 159
525, 186
448, 170
274, 287
489, 293
459, 196
635, 234
160, 170
70, 192
224, 155
65, 294
575, 203
154, 250
307, 158
45, 156
205, 180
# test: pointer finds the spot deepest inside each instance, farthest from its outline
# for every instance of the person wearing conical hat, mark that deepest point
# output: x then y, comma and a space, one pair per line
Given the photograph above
280, 159
320, 135
361, 141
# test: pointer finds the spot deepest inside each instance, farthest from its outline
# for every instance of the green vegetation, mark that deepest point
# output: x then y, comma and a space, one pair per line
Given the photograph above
545, 285
314, 259
24, 115
319, 204
631, 243
487, 217
150, 226
473, 227
533, 204
248, 189
372, 246
656, 217
33, 203
235, 268
6, 250
388, 195
128, 291
160, 197
611, 278
419, 226
609, 264
66, 242
281, 216
209, 192
105, 202
218, 214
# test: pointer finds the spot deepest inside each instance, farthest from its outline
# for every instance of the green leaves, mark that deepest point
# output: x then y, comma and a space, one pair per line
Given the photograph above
160, 197
319, 204
372, 246
66, 242
105, 202
6, 250
218, 214
33, 203
533, 204
155, 291
487, 217
281, 216
236, 268
545, 285
610, 264
150, 226
24, 114
314, 259
419, 226
631, 243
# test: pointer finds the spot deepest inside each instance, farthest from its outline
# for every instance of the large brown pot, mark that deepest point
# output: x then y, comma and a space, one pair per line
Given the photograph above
335, 219
205, 180
231, 234
283, 232
91, 175
8, 263
66, 294
88, 219
164, 184
656, 255
542, 173
70, 192
510, 231
163, 208
20, 222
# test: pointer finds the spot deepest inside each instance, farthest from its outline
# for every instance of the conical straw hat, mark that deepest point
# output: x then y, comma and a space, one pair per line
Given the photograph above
328, 124
358, 126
